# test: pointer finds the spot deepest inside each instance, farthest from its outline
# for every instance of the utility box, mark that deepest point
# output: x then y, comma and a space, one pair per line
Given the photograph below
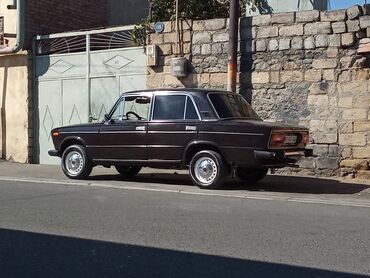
151, 55
179, 67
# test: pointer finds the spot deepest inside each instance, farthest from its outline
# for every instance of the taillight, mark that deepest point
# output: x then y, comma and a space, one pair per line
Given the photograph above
305, 139
55, 133
277, 139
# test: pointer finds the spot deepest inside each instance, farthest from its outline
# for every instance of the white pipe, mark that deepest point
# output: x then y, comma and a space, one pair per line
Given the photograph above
20, 30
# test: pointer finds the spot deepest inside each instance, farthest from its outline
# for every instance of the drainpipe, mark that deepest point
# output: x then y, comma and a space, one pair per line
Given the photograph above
20, 5
233, 46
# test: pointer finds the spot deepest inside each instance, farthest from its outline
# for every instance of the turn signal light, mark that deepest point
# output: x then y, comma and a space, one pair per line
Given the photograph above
56, 133
277, 139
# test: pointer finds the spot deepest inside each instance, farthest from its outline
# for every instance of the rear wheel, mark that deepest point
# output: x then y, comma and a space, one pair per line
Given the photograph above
207, 169
251, 175
75, 162
128, 171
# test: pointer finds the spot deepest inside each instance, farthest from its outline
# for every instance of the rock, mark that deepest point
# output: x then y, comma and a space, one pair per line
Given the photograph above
353, 25
365, 21
293, 30
283, 18
214, 24
331, 16
267, 32
358, 164
327, 163
361, 152
322, 41
297, 43
317, 28
354, 12
261, 45
309, 43
335, 40
356, 139
261, 20
324, 63
308, 16
273, 45
284, 44
339, 27
202, 37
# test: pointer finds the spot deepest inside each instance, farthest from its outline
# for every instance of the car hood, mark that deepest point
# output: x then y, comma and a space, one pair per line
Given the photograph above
79, 127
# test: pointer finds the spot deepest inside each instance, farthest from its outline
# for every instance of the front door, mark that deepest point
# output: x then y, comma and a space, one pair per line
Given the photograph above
174, 125
124, 135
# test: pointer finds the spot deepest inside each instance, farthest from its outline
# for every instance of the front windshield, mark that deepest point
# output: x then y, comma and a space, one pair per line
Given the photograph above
232, 106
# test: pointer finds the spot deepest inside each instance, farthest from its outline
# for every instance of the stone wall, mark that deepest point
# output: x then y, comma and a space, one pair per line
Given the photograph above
298, 67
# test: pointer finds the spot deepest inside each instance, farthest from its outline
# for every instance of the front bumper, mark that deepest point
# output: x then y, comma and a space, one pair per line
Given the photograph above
54, 153
281, 158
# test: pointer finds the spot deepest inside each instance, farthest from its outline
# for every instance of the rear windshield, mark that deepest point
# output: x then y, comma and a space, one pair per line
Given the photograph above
232, 106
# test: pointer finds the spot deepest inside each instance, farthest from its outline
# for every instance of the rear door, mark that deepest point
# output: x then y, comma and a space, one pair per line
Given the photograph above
174, 123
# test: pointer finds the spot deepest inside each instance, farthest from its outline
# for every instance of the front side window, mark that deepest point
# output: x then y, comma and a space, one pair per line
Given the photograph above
232, 106
132, 108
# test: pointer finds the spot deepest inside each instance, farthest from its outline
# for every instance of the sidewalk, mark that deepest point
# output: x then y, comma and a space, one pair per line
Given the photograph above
276, 186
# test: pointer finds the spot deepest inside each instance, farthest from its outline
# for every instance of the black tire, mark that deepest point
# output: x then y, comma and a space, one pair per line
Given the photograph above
128, 171
214, 170
75, 162
251, 175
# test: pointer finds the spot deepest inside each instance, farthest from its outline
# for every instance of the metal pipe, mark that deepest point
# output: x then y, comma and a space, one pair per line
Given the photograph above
177, 28
233, 46
20, 29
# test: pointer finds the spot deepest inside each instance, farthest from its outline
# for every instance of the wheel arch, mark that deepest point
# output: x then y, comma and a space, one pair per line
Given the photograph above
196, 146
69, 141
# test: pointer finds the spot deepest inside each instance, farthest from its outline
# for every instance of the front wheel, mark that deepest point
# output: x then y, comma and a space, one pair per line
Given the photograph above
207, 169
128, 171
75, 162
251, 175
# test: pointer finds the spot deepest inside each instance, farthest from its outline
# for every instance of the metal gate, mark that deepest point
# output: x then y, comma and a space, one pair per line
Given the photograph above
79, 76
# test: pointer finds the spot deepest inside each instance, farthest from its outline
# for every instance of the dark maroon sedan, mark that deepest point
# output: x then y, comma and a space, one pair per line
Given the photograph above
213, 133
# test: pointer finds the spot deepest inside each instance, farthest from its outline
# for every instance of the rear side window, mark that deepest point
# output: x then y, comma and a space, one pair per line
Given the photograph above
169, 107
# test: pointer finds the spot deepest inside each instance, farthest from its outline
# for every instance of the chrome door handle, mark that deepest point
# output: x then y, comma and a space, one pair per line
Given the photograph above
140, 128
190, 128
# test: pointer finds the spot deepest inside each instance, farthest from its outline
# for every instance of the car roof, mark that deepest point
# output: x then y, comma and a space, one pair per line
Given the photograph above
187, 90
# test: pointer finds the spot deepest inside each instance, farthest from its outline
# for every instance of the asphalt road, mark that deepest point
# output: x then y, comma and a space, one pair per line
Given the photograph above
72, 230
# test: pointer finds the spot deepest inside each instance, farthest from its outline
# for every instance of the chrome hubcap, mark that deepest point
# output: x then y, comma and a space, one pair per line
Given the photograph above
74, 163
205, 170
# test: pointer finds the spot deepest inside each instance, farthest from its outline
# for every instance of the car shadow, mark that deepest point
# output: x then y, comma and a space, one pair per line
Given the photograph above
26, 254
272, 183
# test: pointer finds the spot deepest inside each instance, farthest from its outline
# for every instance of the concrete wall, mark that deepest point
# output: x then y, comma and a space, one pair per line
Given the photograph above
127, 12
15, 105
298, 67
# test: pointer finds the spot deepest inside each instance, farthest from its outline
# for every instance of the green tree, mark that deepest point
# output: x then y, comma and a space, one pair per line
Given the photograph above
164, 10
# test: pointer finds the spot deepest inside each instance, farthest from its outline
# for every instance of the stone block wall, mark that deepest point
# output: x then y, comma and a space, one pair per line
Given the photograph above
298, 67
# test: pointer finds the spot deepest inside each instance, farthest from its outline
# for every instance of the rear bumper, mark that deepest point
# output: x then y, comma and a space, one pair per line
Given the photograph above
281, 158
54, 153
